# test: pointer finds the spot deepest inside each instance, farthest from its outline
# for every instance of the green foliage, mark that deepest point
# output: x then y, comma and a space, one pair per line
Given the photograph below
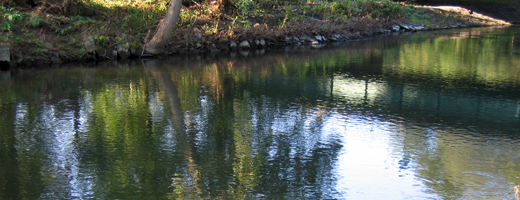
190, 17
7, 26
79, 18
101, 40
40, 51
10, 16
28, 40
79, 21
17, 39
378, 9
418, 16
82, 51
289, 16
244, 6
35, 21
210, 29
63, 31
246, 24
138, 20
341, 10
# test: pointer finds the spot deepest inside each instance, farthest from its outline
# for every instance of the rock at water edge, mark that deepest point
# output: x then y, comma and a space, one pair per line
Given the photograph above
89, 44
396, 27
233, 45
5, 52
244, 44
123, 51
262, 42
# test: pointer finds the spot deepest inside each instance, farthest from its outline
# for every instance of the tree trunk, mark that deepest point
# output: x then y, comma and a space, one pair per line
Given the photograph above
165, 30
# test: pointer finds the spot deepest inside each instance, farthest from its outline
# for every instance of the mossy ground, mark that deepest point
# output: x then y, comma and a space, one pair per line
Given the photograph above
58, 32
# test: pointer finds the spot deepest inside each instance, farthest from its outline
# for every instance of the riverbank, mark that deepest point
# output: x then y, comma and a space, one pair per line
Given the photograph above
35, 37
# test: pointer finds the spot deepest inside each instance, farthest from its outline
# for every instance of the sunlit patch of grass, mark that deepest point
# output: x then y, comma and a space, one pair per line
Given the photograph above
198, 15
342, 11
143, 5
417, 16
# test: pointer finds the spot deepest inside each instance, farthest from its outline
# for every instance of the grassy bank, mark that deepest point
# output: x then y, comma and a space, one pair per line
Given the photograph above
52, 32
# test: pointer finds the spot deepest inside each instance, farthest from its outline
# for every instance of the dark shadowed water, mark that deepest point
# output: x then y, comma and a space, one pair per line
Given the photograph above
432, 115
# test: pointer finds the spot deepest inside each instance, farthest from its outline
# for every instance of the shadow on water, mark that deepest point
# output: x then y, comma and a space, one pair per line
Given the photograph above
429, 115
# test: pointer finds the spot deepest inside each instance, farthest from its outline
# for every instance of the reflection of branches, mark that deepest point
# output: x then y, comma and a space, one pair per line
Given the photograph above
245, 166
172, 96
297, 162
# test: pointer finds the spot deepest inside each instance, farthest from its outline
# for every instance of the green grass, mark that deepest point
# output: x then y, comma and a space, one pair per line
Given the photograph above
341, 11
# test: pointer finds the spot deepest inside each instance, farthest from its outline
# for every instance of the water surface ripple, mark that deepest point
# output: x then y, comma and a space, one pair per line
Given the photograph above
431, 115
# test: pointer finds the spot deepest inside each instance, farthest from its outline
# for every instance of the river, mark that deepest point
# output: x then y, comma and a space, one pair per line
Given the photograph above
429, 115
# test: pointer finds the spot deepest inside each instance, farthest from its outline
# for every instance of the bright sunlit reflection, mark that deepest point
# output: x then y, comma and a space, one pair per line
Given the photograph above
370, 160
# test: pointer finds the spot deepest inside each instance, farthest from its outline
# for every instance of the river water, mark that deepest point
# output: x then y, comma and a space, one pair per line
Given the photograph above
431, 115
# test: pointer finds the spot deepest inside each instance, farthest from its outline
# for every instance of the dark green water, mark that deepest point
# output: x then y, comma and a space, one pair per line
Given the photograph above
432, 115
